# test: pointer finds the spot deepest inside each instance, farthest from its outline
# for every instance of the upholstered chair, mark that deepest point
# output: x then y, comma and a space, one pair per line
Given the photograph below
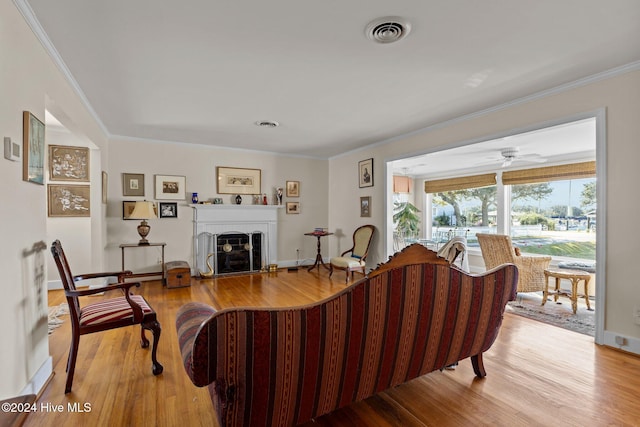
497, 249
125, 310
354, 259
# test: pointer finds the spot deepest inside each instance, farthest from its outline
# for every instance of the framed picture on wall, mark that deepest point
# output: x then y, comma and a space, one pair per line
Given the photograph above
170, 187
133, 184
68, 163
105, 181
293, 188
238, 181
365, 206
168, 209
68, 200
32, 149
365, 173
293, 207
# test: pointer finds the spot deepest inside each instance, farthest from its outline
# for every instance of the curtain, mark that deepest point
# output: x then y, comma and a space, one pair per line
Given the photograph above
550, 173
460, 183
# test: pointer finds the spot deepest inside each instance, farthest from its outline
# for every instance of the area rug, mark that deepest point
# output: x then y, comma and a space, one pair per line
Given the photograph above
54, 313
553, 313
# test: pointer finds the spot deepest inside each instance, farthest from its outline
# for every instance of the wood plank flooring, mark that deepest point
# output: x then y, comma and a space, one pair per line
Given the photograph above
537, 375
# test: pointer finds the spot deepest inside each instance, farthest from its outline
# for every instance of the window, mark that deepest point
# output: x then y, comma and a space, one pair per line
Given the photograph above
555, 218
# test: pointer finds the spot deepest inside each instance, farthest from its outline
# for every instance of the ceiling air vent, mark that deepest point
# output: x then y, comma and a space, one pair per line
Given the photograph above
267, 124
388, 30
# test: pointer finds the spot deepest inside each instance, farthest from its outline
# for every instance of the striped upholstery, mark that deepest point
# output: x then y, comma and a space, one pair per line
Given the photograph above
278, 367
111, 310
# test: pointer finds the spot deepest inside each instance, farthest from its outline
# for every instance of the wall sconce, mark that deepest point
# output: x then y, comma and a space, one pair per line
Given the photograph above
143, 210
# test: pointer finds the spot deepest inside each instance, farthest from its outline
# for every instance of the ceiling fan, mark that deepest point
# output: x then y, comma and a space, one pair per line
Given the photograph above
512, 154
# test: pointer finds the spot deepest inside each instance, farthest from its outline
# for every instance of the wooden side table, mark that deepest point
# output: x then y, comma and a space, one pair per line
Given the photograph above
135, 245
319, 260
575, 276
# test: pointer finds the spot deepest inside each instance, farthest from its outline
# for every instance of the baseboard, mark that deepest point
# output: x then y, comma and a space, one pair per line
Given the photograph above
40, 378
54, 284
632, 345
92, 283
299, 264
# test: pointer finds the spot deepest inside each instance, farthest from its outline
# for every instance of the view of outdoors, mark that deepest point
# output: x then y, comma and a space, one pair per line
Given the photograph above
555, 218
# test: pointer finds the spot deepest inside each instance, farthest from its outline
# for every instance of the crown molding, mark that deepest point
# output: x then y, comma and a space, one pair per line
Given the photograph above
27, 13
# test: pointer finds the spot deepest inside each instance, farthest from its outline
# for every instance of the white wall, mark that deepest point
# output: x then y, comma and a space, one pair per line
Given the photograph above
28, 81
198, 164
75, 233
619, 95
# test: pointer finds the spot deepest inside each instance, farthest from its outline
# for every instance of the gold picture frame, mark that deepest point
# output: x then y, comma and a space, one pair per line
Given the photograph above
293, 188
365, 206
69, 200
32, 149
68, 163
293, 207
238, 180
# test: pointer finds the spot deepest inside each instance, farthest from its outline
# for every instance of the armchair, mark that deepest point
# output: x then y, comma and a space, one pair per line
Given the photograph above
497, 249
356, 260
105, 314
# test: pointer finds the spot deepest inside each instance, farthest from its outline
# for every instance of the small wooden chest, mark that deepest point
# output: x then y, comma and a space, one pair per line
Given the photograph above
177, 274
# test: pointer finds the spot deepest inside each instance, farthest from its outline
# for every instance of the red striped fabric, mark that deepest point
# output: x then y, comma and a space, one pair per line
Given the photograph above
272, 367
111, 310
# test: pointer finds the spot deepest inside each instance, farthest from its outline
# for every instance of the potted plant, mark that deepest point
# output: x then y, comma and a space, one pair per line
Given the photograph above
406, 219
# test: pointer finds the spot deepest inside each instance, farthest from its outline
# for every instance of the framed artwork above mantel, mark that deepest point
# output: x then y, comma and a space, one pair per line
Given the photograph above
238, 181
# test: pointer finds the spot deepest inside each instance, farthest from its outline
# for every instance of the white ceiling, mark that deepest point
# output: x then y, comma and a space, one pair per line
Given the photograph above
204, 72
567, 142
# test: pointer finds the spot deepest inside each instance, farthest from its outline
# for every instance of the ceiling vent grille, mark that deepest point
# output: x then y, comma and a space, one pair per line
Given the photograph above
267, 124
388, 30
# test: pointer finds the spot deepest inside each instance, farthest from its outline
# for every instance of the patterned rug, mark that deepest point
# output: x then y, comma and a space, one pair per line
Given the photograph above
555, 313
54, 313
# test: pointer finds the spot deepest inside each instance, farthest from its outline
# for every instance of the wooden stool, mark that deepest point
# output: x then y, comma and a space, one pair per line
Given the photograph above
575, 276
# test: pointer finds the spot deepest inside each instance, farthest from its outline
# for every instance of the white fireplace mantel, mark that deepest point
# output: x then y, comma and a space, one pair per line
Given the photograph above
218, 219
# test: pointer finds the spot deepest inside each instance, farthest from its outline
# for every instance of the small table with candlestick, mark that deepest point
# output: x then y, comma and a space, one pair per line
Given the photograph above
319, 260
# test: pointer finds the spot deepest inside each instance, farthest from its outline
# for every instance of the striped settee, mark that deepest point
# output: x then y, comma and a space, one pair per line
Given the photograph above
286, 366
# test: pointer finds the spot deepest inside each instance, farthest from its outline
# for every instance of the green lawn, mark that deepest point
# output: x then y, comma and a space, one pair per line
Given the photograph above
584, 250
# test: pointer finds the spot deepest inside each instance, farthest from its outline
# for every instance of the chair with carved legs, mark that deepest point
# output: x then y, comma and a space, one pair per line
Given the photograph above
354, 259
105, 314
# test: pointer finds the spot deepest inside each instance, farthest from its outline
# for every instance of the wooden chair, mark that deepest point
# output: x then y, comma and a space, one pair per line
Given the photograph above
497, 249
356, 261
106, 314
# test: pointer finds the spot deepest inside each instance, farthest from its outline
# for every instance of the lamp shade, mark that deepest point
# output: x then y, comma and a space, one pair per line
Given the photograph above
401, 184
143, 210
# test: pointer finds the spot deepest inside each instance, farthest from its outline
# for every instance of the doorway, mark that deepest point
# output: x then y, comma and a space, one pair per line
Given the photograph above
576, 139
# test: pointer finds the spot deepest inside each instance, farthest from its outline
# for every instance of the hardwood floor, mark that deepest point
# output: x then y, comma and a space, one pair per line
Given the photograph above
536, 374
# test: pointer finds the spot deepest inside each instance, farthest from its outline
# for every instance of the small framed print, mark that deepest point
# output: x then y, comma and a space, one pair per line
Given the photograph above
293, 188
365, 206
365, 173
293, 207
170, 187
133, 184
168, 209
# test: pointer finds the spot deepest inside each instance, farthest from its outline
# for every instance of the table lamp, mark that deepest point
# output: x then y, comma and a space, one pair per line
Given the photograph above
143, 210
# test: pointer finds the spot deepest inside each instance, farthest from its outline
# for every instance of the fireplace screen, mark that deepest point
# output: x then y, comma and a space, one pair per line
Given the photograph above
229, 253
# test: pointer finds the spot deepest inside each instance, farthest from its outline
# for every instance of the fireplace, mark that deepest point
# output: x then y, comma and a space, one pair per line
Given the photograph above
232, 239
232, 252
